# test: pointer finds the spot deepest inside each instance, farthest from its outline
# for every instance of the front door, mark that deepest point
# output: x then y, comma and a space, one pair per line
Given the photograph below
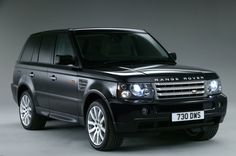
63, 77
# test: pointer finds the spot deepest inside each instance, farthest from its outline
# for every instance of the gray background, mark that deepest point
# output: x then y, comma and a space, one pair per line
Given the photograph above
202, 32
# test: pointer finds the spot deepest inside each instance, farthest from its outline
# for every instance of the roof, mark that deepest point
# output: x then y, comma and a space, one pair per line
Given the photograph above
93, 29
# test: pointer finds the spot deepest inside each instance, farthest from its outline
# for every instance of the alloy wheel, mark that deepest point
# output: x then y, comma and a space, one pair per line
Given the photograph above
25, 110
96, 125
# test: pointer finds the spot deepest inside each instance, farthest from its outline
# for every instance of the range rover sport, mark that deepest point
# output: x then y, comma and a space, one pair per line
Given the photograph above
114, 81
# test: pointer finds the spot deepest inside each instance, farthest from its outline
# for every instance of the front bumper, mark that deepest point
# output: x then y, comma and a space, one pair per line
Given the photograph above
143, 117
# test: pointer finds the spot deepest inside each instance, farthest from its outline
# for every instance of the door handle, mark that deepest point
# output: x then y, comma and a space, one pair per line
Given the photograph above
53, 77
31, 74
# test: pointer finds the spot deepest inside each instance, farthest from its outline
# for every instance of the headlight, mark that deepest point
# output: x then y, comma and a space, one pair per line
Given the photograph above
213, 87
136, 90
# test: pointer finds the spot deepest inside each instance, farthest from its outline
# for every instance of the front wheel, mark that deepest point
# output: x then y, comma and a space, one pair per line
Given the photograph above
203, 133
100, 129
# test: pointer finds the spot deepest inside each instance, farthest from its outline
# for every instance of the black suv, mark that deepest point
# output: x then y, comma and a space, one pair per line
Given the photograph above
115, 82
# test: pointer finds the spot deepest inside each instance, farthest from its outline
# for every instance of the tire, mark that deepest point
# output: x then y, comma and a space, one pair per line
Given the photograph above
98, 121
203, 133
28, 117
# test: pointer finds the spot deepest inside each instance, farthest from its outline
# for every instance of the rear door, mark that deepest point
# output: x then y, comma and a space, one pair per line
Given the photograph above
35, 59
63, 80
36, 75
40, 71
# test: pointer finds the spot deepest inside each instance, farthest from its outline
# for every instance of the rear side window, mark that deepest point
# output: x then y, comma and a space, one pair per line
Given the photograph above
47, 48
31, 49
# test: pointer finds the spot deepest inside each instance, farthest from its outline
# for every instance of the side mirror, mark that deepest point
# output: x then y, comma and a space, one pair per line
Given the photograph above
173, 55
64, 60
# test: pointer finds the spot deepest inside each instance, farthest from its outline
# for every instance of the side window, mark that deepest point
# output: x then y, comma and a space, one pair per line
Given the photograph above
36, 49
64, 54
30, 49
47, 48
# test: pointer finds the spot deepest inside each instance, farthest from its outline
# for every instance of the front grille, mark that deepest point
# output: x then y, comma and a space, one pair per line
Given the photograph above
180, 89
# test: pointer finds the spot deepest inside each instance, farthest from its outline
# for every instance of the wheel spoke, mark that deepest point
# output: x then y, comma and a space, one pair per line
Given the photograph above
29, 115
91, 123
103, 129
23, 100
24, 115
21, 116
28, 101
102, 120
94, 136
29, 108
97, 137
95, 113
92, 115
21, 109
99, 114
26, 120
92, 129
100, 134
22, 105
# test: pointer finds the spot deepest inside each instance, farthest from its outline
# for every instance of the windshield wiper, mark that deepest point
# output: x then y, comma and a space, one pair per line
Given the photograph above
119, 61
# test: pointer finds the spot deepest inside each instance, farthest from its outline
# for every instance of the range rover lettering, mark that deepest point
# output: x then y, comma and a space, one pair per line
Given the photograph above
115, 82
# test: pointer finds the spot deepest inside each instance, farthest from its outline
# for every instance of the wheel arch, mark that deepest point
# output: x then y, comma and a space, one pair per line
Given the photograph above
25, 83
22, 88
94, 95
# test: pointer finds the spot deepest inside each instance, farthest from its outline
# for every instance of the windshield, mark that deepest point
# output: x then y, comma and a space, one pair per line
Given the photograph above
120, 47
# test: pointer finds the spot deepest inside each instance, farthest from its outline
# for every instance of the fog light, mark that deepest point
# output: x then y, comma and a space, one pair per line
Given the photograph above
145, 111
219, 104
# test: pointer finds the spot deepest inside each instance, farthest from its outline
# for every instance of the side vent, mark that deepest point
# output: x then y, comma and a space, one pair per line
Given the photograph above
82, 84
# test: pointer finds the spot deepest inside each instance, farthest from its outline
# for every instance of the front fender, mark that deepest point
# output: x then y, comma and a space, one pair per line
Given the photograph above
105, 90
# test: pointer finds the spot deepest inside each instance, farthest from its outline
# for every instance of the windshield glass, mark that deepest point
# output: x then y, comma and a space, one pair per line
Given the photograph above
126, 47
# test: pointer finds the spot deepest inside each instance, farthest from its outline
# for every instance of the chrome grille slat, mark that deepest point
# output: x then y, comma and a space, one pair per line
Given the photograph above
180, 93
180, 89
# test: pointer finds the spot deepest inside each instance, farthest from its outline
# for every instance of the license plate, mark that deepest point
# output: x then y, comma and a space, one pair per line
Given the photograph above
187, 116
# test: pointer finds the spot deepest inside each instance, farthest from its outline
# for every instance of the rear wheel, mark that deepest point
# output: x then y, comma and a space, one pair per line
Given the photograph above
100, 129
203, 133
28, 117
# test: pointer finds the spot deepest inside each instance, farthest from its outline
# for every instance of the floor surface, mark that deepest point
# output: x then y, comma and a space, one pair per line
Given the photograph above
61, 138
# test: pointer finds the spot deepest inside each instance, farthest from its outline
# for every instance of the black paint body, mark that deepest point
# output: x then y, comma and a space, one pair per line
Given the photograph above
68, 95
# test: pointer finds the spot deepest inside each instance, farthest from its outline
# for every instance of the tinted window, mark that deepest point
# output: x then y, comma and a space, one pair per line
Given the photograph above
64, 54
47, 48
112, 46
36, 49
31, 48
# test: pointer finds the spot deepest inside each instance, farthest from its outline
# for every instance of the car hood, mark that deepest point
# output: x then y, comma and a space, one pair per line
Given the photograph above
126, 70
147, 73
